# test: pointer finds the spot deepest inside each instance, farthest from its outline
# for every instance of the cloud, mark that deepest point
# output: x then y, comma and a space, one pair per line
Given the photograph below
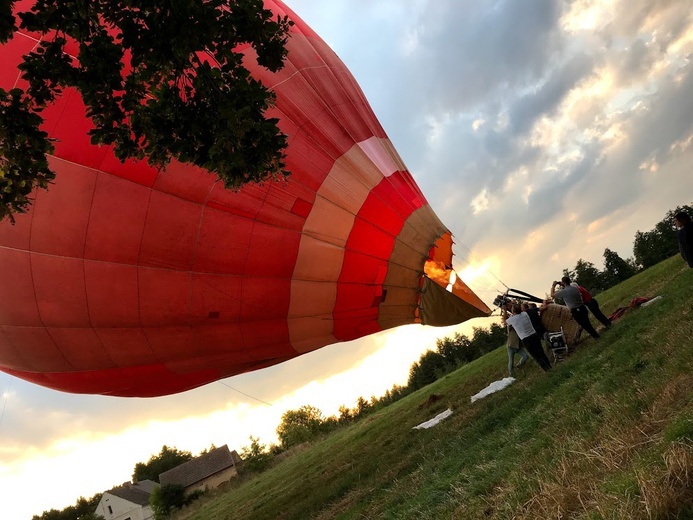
483, 49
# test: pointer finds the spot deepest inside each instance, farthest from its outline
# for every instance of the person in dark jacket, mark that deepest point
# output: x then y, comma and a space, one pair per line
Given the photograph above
535, 316
685, 236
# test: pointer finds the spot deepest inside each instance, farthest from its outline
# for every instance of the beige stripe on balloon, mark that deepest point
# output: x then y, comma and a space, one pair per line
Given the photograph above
325, 234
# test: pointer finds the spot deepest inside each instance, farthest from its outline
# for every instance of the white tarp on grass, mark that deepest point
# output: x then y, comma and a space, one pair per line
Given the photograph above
494, 387
434, 421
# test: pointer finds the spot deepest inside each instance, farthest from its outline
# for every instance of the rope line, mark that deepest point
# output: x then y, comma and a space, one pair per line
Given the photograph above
7, 395
243, 393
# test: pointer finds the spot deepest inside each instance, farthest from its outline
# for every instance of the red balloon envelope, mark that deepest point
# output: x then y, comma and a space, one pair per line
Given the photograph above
123, 280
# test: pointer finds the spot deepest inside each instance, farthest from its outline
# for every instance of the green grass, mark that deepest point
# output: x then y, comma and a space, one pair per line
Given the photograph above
607, 434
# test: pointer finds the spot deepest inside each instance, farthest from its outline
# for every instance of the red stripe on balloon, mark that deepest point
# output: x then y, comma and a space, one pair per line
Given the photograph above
368, 249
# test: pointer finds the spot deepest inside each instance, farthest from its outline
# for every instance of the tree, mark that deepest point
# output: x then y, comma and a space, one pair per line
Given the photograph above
212, 447
455, 350
167, 459
429, 368
616, 269
346, 415
588, 276
159, 80
255, 457
363, 407
651, 247
299, 426
165, 499
486, 340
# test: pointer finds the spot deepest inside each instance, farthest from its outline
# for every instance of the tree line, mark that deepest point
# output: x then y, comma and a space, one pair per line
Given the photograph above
649, 248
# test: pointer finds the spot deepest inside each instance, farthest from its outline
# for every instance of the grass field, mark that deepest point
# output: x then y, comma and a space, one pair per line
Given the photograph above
607, 434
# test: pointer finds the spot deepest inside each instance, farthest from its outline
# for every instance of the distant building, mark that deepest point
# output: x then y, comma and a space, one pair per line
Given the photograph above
127, 502
207, 471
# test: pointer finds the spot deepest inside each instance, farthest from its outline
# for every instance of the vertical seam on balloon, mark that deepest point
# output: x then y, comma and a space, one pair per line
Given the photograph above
137, 270
84, 246
31, 265
84, 269
327, 108
57, 348
352, 80
194, 255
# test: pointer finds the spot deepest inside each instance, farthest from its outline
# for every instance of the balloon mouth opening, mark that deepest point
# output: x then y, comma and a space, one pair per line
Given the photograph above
438, 267
438, 270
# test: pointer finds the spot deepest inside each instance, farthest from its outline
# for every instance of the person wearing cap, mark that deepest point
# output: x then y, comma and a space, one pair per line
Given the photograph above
573, 300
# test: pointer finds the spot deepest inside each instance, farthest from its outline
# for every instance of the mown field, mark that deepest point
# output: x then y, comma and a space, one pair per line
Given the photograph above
608, 434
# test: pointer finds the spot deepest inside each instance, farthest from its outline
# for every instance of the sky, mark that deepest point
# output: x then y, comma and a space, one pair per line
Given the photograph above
540, 132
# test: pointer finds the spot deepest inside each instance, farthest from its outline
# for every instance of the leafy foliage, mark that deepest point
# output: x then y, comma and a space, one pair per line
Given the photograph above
453, 352
256, 456
23, 149
587, 275
82, 510
616, 269
159, 80
167, 459
299, 426
166, 499
430, 367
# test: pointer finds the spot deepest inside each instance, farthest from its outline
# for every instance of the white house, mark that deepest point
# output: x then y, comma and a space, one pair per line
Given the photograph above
127, 502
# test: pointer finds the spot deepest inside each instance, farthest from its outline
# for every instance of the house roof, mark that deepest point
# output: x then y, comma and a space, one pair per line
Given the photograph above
137, 493
146, 485
200, 467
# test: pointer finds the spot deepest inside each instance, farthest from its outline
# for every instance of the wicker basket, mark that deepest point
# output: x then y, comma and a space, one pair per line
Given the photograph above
556, 316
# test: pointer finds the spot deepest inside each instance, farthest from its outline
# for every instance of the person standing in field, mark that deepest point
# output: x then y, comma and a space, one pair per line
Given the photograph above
592, 305
514, 348
530, 340
685, 236
573, 300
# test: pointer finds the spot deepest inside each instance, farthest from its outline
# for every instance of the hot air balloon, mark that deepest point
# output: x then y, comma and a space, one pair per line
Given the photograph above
124, 280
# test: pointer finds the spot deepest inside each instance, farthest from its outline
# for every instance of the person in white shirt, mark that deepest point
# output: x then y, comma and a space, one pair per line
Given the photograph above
522, 324
514, 348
